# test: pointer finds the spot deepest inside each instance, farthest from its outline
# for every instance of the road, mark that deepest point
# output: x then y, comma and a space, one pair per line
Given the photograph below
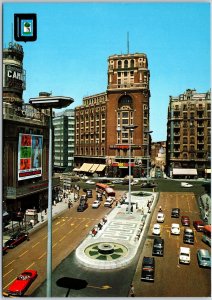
68, 230
171, 278
71, 227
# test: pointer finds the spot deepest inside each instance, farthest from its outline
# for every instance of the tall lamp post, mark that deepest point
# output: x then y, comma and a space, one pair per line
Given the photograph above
148, 158
131, 129
50, 103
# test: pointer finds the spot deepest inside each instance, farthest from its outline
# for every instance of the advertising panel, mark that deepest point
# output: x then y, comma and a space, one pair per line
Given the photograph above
30, 147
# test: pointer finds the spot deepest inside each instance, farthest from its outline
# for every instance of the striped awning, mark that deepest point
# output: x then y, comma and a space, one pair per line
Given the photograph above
100, 168
85, 167
93, 168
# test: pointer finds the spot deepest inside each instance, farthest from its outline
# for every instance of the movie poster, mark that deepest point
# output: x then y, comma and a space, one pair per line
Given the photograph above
30, 149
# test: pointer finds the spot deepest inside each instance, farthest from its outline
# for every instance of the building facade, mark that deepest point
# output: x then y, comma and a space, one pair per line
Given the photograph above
25, 141
189, 134
101, 136
63, 124
158, 154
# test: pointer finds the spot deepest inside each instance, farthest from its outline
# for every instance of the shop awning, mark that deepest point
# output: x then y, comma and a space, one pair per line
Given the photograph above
100, 168
93, 168
208, 171
184, 171
85, 167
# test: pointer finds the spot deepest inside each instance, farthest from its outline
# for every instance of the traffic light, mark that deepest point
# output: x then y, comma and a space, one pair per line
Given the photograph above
25, 27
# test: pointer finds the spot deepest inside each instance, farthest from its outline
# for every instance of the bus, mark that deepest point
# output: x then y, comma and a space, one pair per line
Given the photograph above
206, 237
105, 189
100, 187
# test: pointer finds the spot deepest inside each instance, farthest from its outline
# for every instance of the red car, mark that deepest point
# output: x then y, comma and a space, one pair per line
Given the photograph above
199, 225
16, 239
21, 284
185, 221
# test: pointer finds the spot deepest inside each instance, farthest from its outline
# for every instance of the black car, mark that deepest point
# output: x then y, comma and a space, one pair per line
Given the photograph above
89, 193
82, 206
175, 213
148, 269
158, 247
188, 236
83, 198
16, 239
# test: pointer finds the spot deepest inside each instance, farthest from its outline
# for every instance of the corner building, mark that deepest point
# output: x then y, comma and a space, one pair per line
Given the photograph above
99, 146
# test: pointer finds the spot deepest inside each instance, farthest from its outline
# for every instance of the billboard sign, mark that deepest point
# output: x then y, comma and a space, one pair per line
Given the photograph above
30, 147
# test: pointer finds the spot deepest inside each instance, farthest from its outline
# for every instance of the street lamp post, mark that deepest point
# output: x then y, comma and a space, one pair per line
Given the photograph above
50, 103
148, 158
131, 129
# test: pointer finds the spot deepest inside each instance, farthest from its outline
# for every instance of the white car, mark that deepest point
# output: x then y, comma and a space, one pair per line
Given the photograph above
96, 204
90, 182
184, 255
186, 184
160, 217
108, 202
156, 229
175, 229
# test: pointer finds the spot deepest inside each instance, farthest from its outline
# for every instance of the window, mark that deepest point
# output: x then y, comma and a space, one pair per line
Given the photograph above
132, 63
126, 64
119, 64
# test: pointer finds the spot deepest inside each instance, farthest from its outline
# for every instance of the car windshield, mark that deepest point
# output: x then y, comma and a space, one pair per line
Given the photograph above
206, 258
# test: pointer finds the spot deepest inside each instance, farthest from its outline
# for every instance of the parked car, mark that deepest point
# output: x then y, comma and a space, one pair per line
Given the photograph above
160, 217
16, 239
204, 258
188, 236
148, 269
134, 182
82, 206
21, 284
158, 246
156, 229
185, 221
89, 193
96, 204
198, 225
184, 255
175, 213
99, 197
175, 229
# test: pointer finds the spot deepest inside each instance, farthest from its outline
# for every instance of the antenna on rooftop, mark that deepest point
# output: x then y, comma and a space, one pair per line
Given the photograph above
128, 43
12, 33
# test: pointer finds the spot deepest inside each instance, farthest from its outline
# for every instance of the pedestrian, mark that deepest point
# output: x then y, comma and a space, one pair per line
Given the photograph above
132, 291
69, 204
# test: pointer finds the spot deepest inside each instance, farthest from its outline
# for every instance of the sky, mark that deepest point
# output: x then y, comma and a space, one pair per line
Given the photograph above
74, 41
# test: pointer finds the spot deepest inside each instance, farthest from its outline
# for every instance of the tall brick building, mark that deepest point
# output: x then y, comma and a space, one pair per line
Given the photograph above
99, 146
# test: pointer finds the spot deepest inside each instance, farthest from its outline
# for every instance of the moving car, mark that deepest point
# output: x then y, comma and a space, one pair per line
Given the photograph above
96, 204
204, 258
188, 236
184, 255
89, 193
148, 185
198, 225
186, 184
148, 269
117, 181
16, 239
185, 221
158, 246
175, 213
156, 229
21, 284
108, 202
175, 229
160, 217
90, 182
83, 198
82, 206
